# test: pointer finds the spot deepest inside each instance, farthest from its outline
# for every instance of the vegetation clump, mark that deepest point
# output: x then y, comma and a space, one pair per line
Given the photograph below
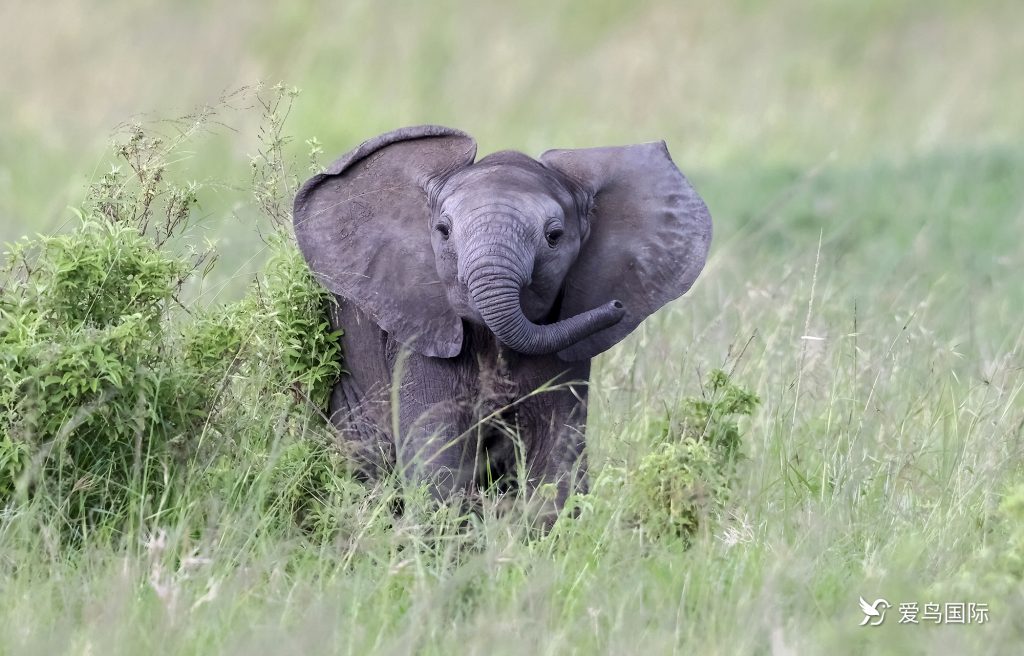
1011, 512
998, 565
94, 399
114, 388
688, 475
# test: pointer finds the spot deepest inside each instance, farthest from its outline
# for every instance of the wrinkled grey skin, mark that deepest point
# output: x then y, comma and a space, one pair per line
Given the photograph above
465, 287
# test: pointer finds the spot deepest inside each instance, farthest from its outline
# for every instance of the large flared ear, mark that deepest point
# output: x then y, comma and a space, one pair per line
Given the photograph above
649, 235
364, 228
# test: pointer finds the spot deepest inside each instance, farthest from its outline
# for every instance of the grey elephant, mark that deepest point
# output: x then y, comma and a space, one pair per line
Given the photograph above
473, 295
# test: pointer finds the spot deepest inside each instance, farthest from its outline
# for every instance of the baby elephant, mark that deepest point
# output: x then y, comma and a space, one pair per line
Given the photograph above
473, 295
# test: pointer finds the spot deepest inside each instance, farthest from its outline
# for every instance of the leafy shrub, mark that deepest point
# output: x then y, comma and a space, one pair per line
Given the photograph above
92, 391
112, 389
280, 458
296, 335
689, 473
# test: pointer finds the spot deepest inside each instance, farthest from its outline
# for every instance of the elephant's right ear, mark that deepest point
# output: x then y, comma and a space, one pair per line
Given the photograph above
364, 228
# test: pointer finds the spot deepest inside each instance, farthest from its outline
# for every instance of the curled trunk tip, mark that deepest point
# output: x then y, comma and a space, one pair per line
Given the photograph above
497, 300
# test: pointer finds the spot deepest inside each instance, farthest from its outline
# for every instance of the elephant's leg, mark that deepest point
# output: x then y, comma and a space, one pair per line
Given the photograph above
434, 411
552, 425
363, 438
556, 458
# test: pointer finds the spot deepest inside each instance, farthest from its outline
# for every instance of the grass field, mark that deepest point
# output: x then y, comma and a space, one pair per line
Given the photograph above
864, 165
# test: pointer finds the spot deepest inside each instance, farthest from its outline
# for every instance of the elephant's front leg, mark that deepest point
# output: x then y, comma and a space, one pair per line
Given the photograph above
434, 410
552, 425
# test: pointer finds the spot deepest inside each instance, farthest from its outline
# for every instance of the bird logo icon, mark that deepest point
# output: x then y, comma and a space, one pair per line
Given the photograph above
872, 612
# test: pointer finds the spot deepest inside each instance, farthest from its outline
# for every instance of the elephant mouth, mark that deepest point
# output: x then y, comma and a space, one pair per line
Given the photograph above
537, 309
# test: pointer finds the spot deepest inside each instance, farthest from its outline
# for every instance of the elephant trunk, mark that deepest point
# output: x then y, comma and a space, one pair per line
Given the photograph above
495, 282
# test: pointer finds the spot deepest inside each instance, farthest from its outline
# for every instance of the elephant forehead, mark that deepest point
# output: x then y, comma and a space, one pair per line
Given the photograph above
505, 185
515, 203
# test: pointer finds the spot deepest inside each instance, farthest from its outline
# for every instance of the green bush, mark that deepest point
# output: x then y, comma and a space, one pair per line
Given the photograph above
94, 400
689, 473
113, 387
295, 335
105, 391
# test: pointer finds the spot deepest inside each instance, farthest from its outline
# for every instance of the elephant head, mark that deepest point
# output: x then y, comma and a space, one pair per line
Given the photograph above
566, 254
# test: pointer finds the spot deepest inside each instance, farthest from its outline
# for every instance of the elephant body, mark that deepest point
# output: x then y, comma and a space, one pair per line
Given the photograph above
473, 295
471, 419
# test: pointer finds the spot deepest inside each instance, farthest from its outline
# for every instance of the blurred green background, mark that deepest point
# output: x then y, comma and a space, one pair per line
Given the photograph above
730, 85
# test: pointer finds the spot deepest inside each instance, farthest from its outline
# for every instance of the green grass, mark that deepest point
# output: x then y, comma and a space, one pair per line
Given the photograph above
865, 168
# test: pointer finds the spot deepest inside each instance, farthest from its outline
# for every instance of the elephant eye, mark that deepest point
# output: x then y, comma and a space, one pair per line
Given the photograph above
553, 235
444, 230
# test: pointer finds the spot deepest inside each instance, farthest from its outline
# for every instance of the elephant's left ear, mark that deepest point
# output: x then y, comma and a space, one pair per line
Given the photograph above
649, 235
